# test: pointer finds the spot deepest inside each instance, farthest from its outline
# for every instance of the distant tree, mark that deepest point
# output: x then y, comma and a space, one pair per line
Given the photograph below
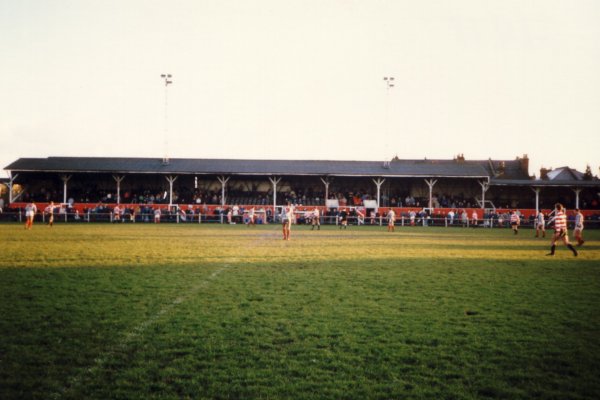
588, 176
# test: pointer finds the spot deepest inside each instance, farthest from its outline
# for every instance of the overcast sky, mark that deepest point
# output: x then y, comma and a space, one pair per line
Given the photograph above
277, 79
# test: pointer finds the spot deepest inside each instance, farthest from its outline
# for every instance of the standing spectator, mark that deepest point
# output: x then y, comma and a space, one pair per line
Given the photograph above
157, 214
464, 218
501, 220
451, 217
236, 212
412, 215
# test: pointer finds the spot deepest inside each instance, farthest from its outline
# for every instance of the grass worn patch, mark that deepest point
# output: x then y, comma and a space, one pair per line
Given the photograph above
229, 312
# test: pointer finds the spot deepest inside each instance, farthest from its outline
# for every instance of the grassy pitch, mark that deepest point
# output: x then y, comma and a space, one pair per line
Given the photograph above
231, 312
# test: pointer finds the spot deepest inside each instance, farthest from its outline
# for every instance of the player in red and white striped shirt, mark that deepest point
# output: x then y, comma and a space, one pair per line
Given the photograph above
560, 230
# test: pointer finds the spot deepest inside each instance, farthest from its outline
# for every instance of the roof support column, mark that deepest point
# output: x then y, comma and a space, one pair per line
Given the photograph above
378, 182
274, 181
577, 191
171, 179
484, 188
118, 179
223, 181
10, 188
430, 183
65, 179
537, 191
326, 182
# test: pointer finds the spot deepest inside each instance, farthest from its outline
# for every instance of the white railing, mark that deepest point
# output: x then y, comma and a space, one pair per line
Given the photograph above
302, 218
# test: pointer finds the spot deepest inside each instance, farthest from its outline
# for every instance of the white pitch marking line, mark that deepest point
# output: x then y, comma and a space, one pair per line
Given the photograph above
133, 333
138, 330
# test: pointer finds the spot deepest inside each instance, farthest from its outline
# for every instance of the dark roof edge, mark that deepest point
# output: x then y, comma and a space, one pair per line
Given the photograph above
540, 183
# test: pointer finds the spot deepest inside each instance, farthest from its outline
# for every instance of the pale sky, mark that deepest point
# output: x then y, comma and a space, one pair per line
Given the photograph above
277, 79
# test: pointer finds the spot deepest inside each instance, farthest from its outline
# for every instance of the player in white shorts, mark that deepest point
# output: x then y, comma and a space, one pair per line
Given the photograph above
251, 217
540, 224
50, 211
391, 217
287, 215
578, 230
560, 230
515, 221
30, 211
316, 219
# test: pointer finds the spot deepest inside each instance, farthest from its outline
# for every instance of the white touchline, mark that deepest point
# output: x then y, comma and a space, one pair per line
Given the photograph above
139, 329
134, 333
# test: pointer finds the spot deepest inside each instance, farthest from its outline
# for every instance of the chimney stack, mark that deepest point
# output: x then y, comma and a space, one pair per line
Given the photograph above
524, 163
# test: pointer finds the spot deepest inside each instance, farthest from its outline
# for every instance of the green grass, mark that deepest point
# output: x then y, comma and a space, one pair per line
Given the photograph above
230, 312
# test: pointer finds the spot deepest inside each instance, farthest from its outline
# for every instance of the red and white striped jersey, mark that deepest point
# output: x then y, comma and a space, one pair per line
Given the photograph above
560, 221
514, 218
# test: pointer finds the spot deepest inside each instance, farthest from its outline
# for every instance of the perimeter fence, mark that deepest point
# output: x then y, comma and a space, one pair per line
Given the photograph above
179, 216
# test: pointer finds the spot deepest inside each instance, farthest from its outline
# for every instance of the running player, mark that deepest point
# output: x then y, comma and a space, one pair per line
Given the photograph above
515, 221
540, 224
560, 230
30, 211
360, 217
578, 230
50, 211
391, 217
